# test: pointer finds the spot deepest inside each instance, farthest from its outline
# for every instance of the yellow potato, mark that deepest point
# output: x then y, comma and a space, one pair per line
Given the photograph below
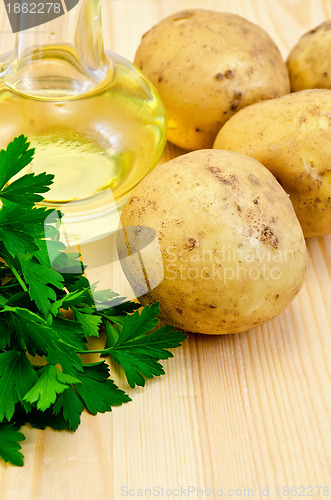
206, 66
291, 136
233, 252
309, 62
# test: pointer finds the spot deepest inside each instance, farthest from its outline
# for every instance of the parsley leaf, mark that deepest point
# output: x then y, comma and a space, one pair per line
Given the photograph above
33, 334
90, 322
4, 333
98, 392
70, 332
24, 190
14, 158
16, 377
9, 444
139, 351
70, 406
41, 419
51, 382
20, 226
39, 278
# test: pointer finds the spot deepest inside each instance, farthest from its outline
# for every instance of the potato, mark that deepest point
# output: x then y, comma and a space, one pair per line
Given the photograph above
206, 66
232, 248
309, 62
291, 136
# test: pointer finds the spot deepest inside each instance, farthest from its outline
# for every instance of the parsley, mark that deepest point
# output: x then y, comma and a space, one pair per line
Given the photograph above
33, 299
9, 447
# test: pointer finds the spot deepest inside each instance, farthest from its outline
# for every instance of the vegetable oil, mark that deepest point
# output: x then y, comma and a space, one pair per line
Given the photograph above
109, 137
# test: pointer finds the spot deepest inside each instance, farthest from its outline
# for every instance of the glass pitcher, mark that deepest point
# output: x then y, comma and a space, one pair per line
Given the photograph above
97, 124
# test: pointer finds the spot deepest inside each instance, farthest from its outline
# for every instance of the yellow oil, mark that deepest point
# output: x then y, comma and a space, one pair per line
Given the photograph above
81, 166
107, 138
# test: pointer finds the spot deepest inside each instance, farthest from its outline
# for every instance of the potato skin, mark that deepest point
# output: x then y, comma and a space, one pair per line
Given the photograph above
309, 62
206, 66
233, 251
291, 136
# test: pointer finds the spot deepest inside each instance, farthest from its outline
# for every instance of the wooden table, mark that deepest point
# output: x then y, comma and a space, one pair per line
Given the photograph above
238, 412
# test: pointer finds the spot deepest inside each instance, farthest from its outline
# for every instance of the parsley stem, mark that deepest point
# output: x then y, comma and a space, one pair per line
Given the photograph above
101, 351
18, 277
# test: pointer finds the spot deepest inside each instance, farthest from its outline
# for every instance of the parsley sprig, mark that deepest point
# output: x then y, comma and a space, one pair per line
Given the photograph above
33, 300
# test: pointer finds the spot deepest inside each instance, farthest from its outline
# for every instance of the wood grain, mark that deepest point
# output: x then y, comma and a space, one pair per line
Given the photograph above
241, 411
